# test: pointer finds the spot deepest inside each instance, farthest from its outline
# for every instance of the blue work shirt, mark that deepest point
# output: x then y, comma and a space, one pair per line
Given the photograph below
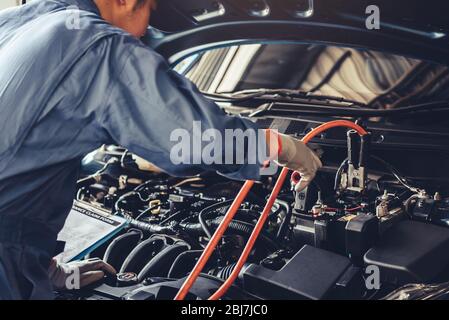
64, 92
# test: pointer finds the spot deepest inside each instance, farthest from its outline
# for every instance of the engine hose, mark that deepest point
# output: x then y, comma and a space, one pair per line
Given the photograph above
150, 228
260, 223
235, 227
226, 272
204, 212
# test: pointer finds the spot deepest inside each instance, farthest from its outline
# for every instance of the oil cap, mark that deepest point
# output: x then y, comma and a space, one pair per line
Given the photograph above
127, 279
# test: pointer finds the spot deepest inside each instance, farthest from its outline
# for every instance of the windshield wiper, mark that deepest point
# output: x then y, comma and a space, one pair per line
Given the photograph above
299, 106
278, 94
313, 110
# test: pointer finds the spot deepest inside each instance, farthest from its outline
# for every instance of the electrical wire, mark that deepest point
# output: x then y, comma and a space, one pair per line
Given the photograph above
408, 203
396, 174
123, 157
173, 216
354, 209
121, 199
401, 179
185, 181
78, 193
146, 211
135, 192
189, 282
339, 173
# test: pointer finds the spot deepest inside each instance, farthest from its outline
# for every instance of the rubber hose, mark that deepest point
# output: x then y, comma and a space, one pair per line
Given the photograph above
238, 227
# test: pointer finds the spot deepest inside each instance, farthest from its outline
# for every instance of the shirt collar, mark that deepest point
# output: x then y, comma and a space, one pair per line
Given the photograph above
87, 5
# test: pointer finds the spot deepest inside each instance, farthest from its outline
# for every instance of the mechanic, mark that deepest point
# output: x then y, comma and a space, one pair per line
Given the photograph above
67, 87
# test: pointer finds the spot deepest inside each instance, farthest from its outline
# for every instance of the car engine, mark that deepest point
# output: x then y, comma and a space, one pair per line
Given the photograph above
361, 231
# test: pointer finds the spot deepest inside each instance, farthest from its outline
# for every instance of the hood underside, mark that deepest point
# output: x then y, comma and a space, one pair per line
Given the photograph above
414, 28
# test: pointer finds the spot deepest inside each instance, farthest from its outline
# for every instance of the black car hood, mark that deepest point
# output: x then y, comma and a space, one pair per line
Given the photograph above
409, 27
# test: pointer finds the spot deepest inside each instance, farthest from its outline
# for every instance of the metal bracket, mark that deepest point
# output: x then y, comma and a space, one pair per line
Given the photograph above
217, 10
358, 152
356, 178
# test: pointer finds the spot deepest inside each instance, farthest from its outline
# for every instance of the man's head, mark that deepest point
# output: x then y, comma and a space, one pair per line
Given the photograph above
130, 15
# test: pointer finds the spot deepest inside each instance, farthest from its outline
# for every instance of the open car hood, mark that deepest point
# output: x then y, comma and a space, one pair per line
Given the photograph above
409, 27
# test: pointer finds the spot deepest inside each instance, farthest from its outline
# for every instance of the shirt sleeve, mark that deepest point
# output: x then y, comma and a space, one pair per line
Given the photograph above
162, 117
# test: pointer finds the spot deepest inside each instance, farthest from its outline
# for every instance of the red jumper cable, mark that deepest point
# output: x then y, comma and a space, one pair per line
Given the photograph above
260, 223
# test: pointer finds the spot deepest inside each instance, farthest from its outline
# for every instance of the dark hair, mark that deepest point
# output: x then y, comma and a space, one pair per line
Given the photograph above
140, 3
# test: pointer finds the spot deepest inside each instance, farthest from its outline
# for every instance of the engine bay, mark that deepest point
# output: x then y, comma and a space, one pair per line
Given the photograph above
362, 230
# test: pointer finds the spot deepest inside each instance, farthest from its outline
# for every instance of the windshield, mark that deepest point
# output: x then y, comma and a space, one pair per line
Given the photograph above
374, 78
